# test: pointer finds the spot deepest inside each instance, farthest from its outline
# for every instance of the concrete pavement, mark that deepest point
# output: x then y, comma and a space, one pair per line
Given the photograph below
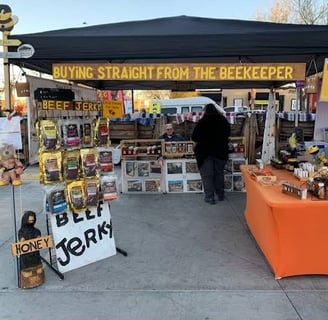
186, 260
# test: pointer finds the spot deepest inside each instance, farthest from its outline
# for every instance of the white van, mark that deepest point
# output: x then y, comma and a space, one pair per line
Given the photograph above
181, 105
236, 109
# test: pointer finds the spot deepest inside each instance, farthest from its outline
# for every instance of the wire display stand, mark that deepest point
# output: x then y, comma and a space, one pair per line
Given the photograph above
119, 250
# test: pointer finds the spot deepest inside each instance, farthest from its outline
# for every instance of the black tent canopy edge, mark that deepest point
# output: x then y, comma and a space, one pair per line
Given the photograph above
181, 39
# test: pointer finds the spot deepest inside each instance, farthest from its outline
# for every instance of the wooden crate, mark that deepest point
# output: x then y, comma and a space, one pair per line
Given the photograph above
145, 132
120, 130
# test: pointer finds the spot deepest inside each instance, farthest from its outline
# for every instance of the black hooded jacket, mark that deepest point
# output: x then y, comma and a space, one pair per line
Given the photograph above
211, 135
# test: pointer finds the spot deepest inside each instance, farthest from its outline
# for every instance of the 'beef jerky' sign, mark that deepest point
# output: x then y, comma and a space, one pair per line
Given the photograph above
82, 238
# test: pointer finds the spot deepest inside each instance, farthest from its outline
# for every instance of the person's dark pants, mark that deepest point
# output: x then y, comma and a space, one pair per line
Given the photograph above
212, 174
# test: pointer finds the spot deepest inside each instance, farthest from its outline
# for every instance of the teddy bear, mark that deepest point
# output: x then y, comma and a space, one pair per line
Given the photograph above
10, 167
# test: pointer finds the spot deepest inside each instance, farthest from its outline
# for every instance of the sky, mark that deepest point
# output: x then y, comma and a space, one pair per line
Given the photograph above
43, 15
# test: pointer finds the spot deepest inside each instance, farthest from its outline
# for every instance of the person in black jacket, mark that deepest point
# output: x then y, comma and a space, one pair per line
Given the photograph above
211, 135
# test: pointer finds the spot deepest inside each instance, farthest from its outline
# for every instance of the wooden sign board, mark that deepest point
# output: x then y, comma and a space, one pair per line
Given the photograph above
31, 245
68, 105
181, 72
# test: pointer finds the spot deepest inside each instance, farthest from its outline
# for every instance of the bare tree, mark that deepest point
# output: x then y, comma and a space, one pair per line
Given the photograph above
311, 12
152, 94
296, 11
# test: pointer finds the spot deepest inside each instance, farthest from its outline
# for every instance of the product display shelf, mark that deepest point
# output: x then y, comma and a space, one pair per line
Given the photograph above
141, 149
239, 144
179, 149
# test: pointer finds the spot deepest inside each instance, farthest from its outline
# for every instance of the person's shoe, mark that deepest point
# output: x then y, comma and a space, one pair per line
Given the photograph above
211, 201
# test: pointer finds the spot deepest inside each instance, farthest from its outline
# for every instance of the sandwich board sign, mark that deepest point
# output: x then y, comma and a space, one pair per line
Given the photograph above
82, 238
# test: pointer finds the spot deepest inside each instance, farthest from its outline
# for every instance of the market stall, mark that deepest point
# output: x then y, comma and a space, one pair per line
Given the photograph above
290, 231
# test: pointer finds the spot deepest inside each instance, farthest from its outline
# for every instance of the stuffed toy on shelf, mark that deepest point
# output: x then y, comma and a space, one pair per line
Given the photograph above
10, 167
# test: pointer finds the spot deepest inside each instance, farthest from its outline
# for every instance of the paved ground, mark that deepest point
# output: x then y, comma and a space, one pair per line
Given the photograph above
186, 260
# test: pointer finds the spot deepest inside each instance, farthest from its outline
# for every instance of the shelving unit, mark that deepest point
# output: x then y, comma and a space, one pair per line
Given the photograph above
233, 179
145, 149
179, 149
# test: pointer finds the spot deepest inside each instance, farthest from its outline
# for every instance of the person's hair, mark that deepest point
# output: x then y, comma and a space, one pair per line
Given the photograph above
210, 109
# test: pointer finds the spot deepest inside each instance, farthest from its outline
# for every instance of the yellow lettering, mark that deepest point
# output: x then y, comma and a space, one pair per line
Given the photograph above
56, 72
116, 73
230, 73
256, 75
239, 73
184, 73
223, 73
101, 73
289, 73
264, 73
124, 73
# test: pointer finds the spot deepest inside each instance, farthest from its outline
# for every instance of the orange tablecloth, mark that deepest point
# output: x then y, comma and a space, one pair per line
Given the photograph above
292, 233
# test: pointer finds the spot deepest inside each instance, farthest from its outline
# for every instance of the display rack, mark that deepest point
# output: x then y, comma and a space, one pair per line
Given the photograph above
141, 149
239, 144
182, 175
139, 176
233, 179
179, 149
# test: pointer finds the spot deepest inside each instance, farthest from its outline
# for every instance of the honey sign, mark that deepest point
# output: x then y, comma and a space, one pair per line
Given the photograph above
112, 109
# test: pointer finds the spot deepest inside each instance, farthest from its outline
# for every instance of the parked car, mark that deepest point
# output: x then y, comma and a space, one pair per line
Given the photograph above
236, 109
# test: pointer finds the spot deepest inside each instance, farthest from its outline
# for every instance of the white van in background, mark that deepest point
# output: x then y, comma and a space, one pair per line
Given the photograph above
236, 109
181, 105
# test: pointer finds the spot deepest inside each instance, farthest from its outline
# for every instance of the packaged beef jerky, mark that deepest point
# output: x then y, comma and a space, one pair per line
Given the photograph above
102, 132
70, 131
89, 162
86, 133
71, 165
92, 192
105, 160
48, 135
76, 196
109, 188
50, 167
56, 199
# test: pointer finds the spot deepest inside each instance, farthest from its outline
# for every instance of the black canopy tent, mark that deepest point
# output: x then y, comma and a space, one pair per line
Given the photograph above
180, 39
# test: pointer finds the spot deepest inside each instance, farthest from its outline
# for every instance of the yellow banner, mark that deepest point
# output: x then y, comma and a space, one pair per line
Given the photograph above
180, 72
324, 86
112, 109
